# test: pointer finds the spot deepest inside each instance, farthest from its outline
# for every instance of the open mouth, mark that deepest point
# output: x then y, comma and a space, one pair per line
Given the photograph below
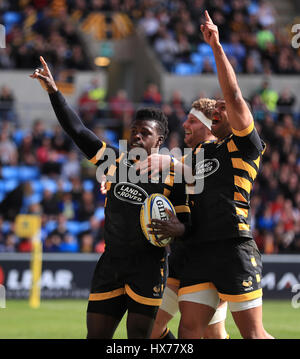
215, 120
136, 144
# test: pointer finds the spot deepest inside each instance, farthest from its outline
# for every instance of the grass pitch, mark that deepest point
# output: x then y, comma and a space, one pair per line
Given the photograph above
65, 319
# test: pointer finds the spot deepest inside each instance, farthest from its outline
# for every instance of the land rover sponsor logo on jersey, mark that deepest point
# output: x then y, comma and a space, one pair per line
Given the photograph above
130, 192
206, 168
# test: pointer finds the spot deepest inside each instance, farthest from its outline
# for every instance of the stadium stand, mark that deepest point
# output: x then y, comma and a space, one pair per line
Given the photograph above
248, 31
42, 172
247, 27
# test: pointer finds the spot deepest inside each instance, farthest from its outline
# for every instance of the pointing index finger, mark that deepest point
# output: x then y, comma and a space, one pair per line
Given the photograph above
207, 17
44, 63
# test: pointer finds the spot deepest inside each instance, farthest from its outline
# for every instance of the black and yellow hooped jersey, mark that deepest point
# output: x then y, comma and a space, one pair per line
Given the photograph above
228, 169
122, 231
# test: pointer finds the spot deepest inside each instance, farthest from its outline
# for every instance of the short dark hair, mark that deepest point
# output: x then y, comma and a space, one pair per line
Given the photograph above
154, 114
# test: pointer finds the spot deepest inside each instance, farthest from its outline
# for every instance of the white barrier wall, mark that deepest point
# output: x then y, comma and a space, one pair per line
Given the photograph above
191, 86
32, 102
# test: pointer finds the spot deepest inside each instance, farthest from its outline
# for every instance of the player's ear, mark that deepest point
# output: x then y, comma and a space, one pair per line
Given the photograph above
160, 141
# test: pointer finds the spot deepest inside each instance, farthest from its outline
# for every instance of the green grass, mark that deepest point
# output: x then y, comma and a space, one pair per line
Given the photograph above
65, 319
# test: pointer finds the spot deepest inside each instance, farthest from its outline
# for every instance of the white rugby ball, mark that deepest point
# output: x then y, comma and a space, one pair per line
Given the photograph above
154, 208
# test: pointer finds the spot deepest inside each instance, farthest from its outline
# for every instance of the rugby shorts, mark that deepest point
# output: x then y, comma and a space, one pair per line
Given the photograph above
233, 267
141, 277
176, 262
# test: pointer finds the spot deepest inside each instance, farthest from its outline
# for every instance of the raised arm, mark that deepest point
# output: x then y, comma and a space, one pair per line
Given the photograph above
84, 138
239, 115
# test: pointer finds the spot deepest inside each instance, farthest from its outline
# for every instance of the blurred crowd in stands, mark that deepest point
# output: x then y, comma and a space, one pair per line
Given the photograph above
252, 39
41, 172
248, 32
41, 28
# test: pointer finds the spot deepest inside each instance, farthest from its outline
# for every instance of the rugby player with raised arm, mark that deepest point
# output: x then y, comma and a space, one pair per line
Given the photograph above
222, 257
131, 273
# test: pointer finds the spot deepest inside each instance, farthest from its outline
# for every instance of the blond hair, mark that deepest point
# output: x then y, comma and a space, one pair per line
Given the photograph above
205, 105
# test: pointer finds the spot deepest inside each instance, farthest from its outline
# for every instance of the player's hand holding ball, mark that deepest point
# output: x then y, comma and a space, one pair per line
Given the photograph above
158, 220
170, 228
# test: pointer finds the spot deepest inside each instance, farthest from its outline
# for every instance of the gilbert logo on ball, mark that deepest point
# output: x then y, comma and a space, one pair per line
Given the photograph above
154, 207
